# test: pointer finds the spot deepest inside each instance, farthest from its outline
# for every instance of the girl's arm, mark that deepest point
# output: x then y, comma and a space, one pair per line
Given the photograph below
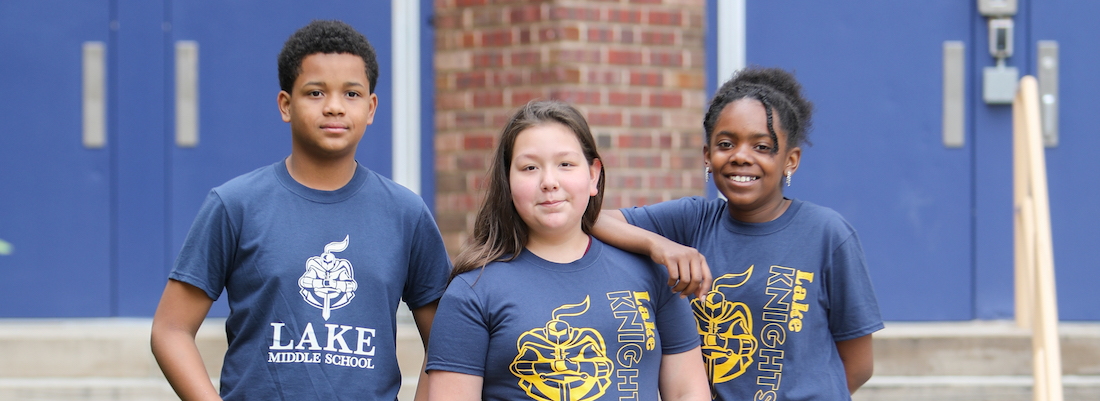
453, 386
859, 360
683, 377
181, 311
688, 271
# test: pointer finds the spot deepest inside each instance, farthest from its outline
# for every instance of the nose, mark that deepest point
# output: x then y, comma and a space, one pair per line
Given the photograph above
741, 154
549, 180
334, 106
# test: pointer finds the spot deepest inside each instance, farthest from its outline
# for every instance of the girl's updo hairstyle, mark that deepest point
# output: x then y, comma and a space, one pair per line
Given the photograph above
780, 93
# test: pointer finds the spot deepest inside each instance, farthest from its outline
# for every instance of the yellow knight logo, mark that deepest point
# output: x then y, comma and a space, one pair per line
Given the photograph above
563, 363
726, 328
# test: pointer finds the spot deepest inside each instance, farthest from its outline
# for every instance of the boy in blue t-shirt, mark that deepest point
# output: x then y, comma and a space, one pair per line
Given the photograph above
315, 252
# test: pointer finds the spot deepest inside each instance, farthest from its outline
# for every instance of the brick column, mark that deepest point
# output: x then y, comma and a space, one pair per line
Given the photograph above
633, 67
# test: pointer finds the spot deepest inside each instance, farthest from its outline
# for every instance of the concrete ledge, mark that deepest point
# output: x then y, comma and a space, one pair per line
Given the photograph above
107, 347
110, 358
92, 388
969, 388
992, 348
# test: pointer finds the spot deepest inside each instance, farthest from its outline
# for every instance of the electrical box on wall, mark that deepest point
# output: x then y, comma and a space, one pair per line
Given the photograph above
999, 82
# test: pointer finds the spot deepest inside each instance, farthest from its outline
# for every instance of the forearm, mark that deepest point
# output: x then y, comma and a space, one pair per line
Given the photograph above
613, 229
859, 363
688, 271
179, 359
181, 311
423, 317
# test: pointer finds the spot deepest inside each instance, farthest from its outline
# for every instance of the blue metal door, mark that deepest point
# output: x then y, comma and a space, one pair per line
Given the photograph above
936, 222
239, 127
55, 193
873, 70
1073, 168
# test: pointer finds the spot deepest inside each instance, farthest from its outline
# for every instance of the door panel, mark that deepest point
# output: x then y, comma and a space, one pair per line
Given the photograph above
54, 192
874, 72
142, 248
936, 223
239, 123
1073, 169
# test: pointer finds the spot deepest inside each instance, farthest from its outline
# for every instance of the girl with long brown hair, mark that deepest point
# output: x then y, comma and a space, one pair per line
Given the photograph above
537, 308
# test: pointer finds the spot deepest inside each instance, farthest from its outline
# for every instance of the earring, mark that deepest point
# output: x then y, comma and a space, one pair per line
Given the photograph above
706, 174
788, 178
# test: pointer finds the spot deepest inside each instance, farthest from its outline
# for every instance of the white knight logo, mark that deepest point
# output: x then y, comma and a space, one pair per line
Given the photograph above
328, 283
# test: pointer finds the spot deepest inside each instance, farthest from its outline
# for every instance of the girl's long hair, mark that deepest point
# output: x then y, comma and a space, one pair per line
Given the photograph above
499, 232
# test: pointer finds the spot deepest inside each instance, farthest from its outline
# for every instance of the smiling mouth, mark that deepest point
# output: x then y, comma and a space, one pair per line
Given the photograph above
742, 178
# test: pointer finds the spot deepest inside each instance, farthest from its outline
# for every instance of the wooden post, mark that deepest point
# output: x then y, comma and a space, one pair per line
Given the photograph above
1021, 186
1046, 350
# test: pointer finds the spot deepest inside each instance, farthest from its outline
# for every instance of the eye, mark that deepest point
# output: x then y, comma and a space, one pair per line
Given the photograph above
314, 93
527, 168
354, 94
763, 147
724, 144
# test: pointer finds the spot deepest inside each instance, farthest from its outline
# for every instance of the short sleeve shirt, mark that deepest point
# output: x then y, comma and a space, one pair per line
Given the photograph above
784, 292
314, 279
595, 328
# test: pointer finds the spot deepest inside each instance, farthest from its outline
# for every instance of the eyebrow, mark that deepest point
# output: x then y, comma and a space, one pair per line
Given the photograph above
346, 84
559, 154
751, 136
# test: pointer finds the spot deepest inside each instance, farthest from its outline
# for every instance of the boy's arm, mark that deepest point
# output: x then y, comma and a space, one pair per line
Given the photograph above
859, 360
423, 317
682, 377
181, 311
688, 271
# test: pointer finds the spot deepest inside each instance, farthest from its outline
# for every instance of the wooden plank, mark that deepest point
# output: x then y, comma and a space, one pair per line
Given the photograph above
1024, 268
1045, 346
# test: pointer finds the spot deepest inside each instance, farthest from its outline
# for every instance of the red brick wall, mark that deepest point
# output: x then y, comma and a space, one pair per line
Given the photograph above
633, 67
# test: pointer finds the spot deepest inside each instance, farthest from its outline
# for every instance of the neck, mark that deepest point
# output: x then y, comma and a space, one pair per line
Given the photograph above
763, 214
563, 248
324, 175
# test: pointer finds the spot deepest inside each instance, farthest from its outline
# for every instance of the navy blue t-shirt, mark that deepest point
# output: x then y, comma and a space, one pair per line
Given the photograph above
784, 293
533, 329
314, 279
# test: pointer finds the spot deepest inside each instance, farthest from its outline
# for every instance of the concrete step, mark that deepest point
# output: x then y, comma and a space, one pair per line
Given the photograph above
107, 348
110, 359
970, 388
978, 348
979, 360
85, 389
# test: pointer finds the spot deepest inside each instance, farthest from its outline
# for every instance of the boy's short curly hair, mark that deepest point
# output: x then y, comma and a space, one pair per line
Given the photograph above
778, 90
328, 37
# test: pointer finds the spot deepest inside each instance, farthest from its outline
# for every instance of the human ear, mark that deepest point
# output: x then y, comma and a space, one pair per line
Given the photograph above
706, 155
594, 180
793, 156
284, 105
373, 108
